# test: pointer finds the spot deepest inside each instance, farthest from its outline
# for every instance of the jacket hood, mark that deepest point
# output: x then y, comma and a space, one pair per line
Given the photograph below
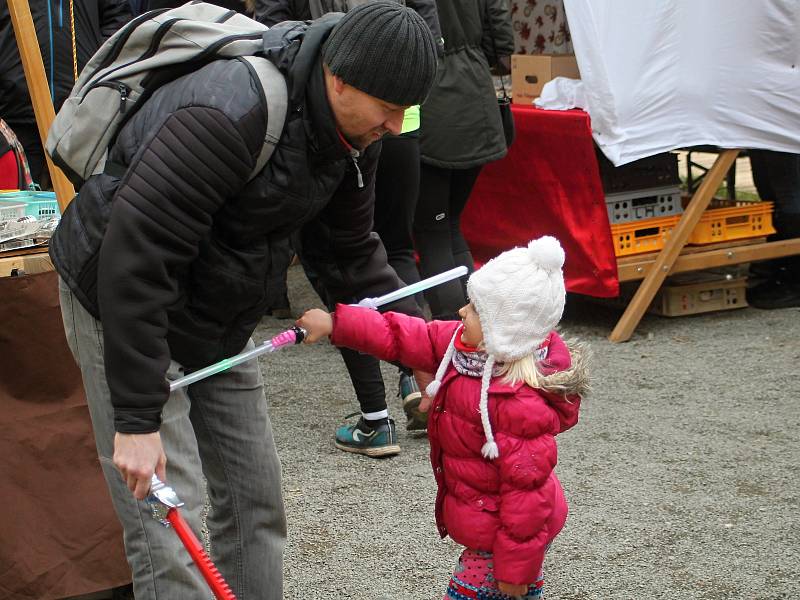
563, 390
574, 380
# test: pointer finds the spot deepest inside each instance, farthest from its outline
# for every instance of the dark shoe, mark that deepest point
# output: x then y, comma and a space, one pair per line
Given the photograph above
363, 439
774, 294
411, 397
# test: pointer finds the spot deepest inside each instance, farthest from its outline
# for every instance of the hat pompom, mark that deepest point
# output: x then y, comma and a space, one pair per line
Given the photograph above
433, 387
490, 450
547, 252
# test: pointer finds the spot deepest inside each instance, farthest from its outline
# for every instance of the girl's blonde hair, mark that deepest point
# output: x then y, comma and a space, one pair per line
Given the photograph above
525, 369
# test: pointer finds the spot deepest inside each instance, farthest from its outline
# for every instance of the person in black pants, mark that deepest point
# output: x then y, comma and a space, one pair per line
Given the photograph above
777, 179
460, 132
396, 189
437, 233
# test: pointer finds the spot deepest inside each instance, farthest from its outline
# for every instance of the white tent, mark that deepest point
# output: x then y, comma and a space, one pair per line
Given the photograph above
665, 74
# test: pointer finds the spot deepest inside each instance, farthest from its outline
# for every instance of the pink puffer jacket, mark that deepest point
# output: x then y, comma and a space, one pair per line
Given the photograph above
512, 506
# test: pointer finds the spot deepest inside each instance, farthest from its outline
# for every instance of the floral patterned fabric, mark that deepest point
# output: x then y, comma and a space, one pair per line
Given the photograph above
540, 27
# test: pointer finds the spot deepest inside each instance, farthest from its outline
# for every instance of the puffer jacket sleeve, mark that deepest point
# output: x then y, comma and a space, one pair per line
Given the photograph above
393, 337
344, 252
113, 15
497, 32
527, 499
162, 209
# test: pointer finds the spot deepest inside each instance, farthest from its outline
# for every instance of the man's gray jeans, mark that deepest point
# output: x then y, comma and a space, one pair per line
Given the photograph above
217, 428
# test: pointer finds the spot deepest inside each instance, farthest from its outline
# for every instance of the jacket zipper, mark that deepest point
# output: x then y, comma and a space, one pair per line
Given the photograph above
355, 154
121, 88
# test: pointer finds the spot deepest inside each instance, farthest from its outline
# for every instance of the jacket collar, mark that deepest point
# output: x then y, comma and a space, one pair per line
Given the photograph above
496, 385
324, 138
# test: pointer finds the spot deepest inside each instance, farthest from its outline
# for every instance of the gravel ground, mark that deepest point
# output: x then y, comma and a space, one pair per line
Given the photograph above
683, 475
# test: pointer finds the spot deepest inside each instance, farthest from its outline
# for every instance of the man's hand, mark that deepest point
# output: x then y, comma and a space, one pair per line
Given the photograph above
317, 323
137, 456
512, 589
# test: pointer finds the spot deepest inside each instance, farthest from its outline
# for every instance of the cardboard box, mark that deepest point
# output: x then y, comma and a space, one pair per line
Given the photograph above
529, 73
31, 263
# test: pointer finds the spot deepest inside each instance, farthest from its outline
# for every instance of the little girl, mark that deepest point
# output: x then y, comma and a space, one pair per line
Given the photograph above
505, 385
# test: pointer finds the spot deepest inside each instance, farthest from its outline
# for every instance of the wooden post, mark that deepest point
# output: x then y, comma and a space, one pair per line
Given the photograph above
669, 254
33, 66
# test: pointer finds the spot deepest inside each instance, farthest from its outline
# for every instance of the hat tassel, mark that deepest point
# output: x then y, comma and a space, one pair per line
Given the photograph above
434, 385
489, 449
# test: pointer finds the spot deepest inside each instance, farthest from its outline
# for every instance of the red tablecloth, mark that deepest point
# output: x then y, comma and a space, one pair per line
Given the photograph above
548, 184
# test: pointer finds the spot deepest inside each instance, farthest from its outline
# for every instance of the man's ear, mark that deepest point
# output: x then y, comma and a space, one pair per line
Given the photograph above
338, 84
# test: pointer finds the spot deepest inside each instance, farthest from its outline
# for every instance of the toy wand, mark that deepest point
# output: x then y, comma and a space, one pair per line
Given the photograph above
295, 335
164, 504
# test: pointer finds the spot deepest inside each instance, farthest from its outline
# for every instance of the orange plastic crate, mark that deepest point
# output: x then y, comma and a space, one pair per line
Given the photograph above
645, 235
733, 221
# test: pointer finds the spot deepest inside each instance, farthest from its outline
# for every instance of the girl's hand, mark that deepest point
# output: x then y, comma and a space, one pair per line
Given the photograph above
317, 323
512, 589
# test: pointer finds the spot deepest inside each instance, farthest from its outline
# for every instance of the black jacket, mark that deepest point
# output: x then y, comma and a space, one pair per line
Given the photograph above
95, 20
173, 257
272, 12
460, 124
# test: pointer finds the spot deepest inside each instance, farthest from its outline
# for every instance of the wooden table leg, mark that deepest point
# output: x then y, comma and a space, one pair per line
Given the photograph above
677, 240
33, 66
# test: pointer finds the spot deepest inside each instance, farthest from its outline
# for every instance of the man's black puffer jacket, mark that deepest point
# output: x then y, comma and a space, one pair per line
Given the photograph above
173, 258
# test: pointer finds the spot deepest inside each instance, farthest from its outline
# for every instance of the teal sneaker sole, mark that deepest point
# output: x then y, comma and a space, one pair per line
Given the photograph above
373, 451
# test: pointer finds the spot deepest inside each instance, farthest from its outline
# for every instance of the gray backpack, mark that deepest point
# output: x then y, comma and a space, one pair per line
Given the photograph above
149, 51
322, 7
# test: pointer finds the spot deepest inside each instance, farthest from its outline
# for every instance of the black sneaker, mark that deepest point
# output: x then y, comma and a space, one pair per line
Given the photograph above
411, 397
775, 293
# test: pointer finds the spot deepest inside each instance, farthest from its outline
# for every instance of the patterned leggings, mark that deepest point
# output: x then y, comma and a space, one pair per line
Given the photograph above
473, 580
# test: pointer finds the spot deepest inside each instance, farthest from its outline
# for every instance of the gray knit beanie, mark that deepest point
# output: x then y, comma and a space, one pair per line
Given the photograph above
385, 50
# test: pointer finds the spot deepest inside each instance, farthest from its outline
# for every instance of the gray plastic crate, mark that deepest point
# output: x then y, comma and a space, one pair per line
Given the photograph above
643, 204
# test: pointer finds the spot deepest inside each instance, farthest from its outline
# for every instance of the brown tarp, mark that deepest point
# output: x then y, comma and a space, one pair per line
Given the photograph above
59, 535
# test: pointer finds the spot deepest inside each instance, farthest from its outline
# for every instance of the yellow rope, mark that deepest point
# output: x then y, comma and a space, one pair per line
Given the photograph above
74, 50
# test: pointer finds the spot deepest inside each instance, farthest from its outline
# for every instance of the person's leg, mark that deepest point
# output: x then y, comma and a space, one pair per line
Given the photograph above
160, 566
473, 577
374, 433
461, 185
432, 239
777, 178
246, 523
396, 191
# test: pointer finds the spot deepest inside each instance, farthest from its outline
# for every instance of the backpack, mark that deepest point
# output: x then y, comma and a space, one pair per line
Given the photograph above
149, 51
321, 7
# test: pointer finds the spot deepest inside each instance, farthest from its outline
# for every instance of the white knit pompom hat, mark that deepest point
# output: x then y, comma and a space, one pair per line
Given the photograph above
519, 297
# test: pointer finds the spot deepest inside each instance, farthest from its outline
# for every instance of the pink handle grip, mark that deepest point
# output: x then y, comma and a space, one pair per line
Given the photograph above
285, 338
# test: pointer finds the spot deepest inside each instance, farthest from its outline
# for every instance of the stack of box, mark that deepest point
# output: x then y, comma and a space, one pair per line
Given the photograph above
645, 203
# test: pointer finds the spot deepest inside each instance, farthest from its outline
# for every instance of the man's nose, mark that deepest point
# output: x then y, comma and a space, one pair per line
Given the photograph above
394, 124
